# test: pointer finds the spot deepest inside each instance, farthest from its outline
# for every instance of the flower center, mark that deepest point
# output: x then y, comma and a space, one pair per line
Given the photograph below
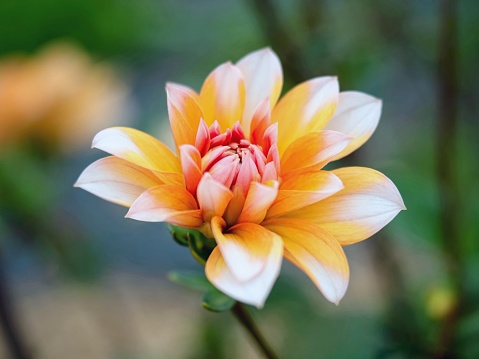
233, 160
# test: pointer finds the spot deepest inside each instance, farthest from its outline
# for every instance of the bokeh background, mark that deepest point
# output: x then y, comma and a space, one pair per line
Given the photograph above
77, 280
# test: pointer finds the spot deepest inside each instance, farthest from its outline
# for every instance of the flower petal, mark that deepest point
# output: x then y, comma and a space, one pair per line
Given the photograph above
167, 203
316, 253
258, 201
116, 180
191, 163
213, 197
306, 108
263, 78
367, 203
142, 150
223, 96
235, 207
301, 191
313, 148
245, 247
184, 113
357, 116
254, 291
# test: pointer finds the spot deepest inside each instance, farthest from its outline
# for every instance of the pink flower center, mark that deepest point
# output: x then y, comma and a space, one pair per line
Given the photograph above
233, 160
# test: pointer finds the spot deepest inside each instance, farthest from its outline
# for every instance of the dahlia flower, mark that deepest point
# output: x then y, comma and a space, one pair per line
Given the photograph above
249, 174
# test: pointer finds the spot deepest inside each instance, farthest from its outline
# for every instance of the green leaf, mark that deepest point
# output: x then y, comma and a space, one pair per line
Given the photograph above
179, 234
217, 301
213, 299
200, 246
190, 279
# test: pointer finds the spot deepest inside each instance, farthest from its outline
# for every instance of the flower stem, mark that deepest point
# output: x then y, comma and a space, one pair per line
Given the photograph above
246, 320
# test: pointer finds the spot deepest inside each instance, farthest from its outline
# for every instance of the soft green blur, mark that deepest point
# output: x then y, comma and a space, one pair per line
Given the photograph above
77, 280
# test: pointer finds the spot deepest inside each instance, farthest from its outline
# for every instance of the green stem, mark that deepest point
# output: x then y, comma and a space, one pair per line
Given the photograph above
246, 320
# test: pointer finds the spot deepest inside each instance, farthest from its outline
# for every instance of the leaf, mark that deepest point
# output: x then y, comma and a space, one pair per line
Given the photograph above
213, 299
190, 279
217, 301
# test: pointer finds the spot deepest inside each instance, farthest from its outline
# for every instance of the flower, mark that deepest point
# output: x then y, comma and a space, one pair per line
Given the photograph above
59, 97
249, 173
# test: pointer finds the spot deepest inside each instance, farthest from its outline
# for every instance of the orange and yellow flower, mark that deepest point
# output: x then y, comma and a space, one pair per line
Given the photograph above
249, 173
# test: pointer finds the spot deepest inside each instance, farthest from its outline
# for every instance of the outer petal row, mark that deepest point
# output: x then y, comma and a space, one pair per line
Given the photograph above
226, 271
316, 252
223, 96
184, 113
142, 150
263, 78
367, 203
167, 203
357, 116
306, 108
116, 180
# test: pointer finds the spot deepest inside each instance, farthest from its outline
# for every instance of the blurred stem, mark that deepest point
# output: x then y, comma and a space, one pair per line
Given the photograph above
8, 322
280, 39
446, 173
246, 320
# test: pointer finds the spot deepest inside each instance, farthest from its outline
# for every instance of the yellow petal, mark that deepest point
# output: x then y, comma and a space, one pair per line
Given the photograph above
142, 150
258, 201
213, 197
263, 78
245, 247
367, 203
167, 203
316, 253
357, 116
254, 291
223, 96
303, 190
184, 113
313, 148
116, 180
306, 108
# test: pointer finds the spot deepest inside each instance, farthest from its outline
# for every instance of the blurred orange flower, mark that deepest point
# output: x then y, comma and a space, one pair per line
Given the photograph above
59, 97
249, 173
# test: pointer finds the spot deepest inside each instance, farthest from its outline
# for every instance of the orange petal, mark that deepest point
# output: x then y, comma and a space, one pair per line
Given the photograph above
306, 108
316, 253
167, 203
116, 180
260, 122
313, 148
357, 116
263, 78
223, 96
245, 247
235, 207
142, 150
254, 291
184, 113
258, 201
303, 190
367, 203
202, 141
191, 163
213, 197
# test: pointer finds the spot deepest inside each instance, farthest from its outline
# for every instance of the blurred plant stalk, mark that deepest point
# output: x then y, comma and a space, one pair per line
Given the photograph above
450, 199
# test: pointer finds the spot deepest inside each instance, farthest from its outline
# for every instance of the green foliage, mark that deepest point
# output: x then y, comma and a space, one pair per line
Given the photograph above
213, 299
107, 27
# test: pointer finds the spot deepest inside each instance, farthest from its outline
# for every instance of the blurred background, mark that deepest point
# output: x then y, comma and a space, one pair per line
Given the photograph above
77, 280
